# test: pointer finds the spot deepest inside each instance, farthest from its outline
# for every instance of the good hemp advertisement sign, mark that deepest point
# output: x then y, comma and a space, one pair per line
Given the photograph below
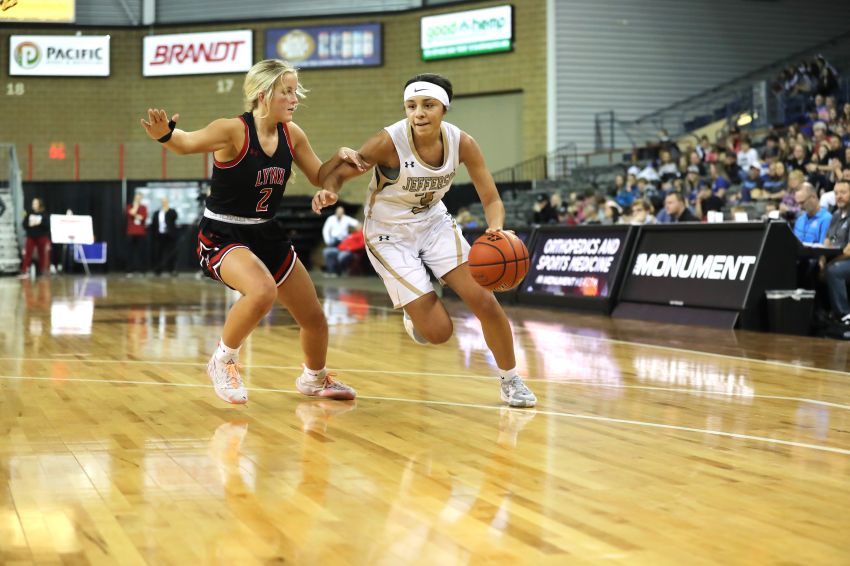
471, 32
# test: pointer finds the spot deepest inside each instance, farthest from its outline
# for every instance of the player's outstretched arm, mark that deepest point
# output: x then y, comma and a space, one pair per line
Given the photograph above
310, 164
471, 156
378, 150
218, 135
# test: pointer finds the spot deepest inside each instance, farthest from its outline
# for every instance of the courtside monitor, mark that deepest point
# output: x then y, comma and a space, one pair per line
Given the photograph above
709, 274
576, 266
471, 32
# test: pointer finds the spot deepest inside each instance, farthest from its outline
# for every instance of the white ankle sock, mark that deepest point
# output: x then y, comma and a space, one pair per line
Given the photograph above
507, 373
315, 375
224, 353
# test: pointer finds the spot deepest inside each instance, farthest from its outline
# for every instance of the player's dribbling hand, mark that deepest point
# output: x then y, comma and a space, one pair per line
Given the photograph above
156, 125
491, 230
351, 156
322, 199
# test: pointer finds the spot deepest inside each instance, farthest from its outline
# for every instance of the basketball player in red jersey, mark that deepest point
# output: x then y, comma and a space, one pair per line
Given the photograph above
407, 226
240, 243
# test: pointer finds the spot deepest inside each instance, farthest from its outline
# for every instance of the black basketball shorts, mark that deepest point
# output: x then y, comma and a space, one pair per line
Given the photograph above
268, 241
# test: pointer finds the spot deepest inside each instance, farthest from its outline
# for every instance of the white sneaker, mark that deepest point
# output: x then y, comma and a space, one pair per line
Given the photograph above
411, 330
227, 381
327, 387
515, 393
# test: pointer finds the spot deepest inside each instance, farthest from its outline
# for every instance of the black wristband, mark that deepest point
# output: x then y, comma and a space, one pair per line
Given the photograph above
171, 125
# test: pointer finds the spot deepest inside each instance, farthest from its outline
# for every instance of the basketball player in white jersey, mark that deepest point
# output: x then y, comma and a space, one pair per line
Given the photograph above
407, 226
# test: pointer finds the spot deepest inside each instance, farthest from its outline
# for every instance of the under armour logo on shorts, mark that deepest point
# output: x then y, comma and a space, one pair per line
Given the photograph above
383, 238
409, 163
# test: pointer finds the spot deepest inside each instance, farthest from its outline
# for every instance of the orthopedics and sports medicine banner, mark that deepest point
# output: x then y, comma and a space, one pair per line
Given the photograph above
578, 266
198, 53
356, 45
59, 55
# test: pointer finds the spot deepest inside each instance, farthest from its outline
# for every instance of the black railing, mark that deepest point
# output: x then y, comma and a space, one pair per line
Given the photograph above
723, 100
554, 165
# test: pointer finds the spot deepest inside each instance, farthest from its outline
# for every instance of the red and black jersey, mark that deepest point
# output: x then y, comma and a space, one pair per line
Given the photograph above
252, 184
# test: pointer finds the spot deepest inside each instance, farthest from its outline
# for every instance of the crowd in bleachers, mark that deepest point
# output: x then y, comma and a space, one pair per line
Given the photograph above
798, 172
754, 172
813, 76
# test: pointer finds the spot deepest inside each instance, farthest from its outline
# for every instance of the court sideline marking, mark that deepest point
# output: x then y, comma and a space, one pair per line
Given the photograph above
452, 376
516, 328
456, 319
734, 435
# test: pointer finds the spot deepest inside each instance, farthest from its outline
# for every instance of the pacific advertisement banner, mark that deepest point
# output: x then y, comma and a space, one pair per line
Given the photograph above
59, 55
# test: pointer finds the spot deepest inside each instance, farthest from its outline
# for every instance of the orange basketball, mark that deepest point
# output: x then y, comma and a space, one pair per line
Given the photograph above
498, 261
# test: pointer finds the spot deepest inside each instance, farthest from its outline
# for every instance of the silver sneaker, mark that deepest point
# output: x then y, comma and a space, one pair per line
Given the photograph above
411, 330
227, 381
515, 393
328, 388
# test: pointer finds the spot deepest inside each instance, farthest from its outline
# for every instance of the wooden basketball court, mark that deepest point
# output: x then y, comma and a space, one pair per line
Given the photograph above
650, 444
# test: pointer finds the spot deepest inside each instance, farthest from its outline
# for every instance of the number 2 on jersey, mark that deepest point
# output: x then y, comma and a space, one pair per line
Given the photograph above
425, 202
262, 206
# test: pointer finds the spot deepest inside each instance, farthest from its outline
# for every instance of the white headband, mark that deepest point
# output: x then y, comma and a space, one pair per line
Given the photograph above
423, 88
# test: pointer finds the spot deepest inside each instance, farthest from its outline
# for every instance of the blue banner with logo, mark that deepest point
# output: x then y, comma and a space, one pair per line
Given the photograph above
327, 46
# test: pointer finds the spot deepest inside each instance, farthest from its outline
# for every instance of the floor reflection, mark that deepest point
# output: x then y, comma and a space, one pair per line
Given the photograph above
316, 414
73, 316
564, 355
343, 306
113, 440
470, 339
697, 377
432, 501
252, 534
511, 422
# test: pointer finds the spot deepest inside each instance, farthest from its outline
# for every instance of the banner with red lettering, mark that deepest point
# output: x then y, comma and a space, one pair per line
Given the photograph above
198, 53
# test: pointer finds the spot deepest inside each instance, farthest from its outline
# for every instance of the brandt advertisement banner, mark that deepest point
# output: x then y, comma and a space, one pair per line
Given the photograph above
198, 53
59, 55
693, 266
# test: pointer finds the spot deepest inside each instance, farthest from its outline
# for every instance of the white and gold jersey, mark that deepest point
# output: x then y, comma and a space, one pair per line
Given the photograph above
414, 192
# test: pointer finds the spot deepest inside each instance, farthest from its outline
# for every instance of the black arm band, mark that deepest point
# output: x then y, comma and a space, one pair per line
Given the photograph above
171, 125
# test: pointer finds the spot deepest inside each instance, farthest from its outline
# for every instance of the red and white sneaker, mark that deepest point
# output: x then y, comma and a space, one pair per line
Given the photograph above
326, 387
227, 381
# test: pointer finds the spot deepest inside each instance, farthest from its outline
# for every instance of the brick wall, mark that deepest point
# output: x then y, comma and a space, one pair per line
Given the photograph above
344, 106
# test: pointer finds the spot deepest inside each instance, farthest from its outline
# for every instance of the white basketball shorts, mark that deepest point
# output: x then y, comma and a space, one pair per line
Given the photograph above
400, 252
